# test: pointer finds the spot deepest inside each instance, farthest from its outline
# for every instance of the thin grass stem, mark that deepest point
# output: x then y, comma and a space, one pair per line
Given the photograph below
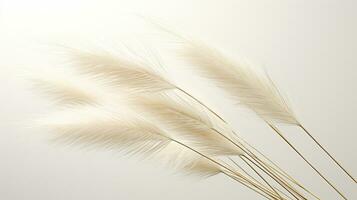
304, 129
277, 169
251, 167
218, 116
312, 166
248, 174
222, 166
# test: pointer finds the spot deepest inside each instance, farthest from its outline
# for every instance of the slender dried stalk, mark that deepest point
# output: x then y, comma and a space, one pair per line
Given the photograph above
100, 133
319, 173
237, 176
202, 136
257, 92
125, 74
186, 119
250, 166
251, 154
249, 88
308, 133
277, 169
102, 128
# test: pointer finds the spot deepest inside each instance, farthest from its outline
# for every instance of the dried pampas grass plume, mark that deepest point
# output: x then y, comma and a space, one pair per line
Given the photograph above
136, 78
245, 86
250, 88
190, 122
118, 71
66, 90
132, 75
95, 126
166, 122
89, 118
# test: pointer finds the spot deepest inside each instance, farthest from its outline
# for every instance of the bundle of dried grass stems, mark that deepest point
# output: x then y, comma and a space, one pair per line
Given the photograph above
120, 103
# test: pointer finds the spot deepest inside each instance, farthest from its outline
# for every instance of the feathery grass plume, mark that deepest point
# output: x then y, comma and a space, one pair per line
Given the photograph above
181, 159
66, 90
137, 78
118, 71
255, 90
190, 122
196, 128
133, 77
248, 87
94, 121
96, 126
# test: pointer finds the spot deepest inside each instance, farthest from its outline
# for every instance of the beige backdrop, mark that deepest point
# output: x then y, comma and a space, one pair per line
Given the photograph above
309, 48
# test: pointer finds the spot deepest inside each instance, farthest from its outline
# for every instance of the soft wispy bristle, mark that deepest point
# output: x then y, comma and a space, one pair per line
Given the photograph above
100, 127
187, 161
177, 130
91, 126
120, 72
246, 85
68, 89
190, 123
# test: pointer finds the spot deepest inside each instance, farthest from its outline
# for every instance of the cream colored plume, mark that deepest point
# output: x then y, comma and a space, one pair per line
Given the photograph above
182, 159
190, 123
252, 89
119, 71
65, 88
243, 83
182, 133
247, 86
129, 75
97, 127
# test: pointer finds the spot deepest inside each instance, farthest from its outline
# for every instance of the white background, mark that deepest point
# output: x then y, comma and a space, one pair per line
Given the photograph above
309, 48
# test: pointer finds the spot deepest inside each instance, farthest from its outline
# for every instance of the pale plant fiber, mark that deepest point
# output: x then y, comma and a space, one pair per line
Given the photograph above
191, 123
89, 123
119, 71
94, 126
65, 90
241, 82
249, 88
175, 130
